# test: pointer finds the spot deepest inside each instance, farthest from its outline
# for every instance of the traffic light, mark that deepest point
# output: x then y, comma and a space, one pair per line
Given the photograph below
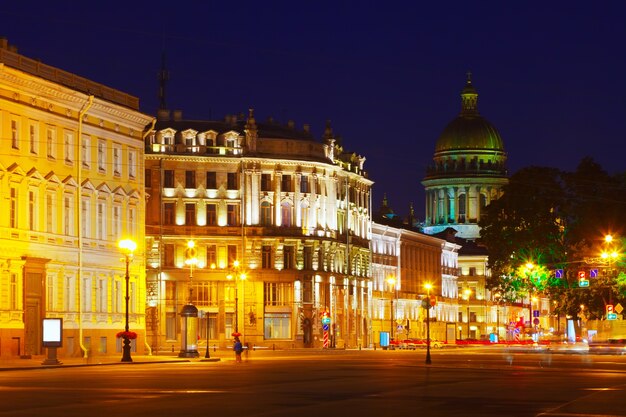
582, 279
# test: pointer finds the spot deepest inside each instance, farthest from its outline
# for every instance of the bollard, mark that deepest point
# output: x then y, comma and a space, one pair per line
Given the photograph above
273, 346
359, 346
214, 347
172, 348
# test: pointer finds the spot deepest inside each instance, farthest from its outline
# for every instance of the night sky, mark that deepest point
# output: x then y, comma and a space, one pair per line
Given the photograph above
551, 76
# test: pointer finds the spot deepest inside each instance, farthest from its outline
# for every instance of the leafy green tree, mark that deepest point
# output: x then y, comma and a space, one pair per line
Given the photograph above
547, 219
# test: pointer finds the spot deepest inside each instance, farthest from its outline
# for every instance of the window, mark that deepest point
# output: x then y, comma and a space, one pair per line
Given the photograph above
211, 255
168, 258
68, 215
190, 179
132, 164
266, 257
277, 293
168, 178
15, 134
285, 211
304, 184
132, 220
50, 213
101, 156
277, 326
266, 182
190, 214
232, 214
33, 137
51, 141
13, 293
101, 296
13, 222
266, 214
232, 181
148, 178
116, 297
117, 222
84, 151
211, 214
285, 184
101, 222
307, 255
307, 290
68, 146
232, 254
462, 204
169, 210
84, 221
211, 180
117, 160
288, 257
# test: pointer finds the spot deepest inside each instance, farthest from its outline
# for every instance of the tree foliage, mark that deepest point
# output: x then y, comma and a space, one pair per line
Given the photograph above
548, 219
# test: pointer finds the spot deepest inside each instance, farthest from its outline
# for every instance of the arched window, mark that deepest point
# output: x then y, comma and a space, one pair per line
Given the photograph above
285, 214
266, 214
462, 204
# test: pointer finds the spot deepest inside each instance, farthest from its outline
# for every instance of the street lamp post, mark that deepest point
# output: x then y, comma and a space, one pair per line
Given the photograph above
237, 276
467, 292
392, 283
497, 296
128, 247
428, 287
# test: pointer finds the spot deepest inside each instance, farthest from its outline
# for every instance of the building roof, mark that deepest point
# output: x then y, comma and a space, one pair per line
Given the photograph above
10, 58
266, 130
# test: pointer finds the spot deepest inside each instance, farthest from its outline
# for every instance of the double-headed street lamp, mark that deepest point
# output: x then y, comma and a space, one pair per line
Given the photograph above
428, 306
391, 280
128, 247
237, 275
466, 294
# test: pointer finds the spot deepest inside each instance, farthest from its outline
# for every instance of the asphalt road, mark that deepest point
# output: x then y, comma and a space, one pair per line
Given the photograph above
339, 383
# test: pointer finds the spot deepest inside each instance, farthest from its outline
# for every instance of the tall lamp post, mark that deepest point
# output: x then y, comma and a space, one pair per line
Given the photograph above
128, 247
497, 297
236, 275
392, 283
429, 304
466, 293
189, 313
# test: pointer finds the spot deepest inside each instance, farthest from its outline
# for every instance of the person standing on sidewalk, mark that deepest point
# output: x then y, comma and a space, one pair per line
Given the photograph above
238, 348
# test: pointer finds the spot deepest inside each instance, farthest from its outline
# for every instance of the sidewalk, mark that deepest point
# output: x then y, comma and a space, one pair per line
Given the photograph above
35, 362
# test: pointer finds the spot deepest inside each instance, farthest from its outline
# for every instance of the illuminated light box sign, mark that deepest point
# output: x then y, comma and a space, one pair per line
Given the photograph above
52, 333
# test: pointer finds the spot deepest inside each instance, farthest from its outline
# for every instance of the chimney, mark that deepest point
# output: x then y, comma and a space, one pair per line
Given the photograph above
4, 43
306, 128
163, 115
290, 124
178, 115
270, 120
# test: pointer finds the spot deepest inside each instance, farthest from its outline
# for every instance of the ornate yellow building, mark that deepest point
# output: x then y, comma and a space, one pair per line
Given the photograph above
293, 213
71, 186
403, 262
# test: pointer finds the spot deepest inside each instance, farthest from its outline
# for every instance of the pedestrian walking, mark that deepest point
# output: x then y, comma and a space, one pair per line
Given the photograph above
238, 348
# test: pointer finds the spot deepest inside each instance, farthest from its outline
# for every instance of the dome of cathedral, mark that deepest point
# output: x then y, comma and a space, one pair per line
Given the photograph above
469, 130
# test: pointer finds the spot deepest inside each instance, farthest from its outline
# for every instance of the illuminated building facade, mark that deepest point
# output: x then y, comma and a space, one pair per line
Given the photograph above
292, 211
403, 262
71, 182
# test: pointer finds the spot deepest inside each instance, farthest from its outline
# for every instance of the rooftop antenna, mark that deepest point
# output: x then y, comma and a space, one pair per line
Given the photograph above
164, 76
